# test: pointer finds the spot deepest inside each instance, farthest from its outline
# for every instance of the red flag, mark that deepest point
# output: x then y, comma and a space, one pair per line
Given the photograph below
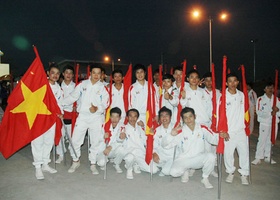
181, 89
32, 110
127, 81
107, 116
74, 113
214, 101
273, 125
246, 102
150, 116
222, 123
160, 86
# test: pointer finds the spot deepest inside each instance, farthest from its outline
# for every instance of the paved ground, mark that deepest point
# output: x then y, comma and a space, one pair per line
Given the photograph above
17, 181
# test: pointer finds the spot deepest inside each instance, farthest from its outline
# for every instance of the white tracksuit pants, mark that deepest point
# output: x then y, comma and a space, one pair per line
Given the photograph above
92, 123
61, 147
240, 142
264, 141
252, 118
114, 154
165, 162
42, 146
206, 161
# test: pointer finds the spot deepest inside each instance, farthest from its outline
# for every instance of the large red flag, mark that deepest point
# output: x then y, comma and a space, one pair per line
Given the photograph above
273, 128
180, 95
150, 116
214, 101
32, 110
127, 81
222, 123
246, 102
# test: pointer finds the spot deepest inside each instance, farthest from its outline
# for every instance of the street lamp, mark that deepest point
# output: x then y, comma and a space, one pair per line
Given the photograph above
254, 41
223, 16
107, 59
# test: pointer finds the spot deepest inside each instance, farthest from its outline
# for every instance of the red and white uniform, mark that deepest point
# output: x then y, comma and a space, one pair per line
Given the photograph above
236, 130
165, 154
264, 109
197, 99
134, 149
190, 150
252, 105
117, 100
42, 145
67, 89
171, 104
89, 94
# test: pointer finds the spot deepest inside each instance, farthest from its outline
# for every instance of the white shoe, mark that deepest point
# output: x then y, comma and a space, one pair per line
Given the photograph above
191, 172
93, 169
215, 174
136, 169
256, 161
244, 180
111, 160
206, 183
39, 174
185, 177
47, 168
229, 178
161, 174
59, 160
129, 174
118, 169
74, 166
102, 168
267, 160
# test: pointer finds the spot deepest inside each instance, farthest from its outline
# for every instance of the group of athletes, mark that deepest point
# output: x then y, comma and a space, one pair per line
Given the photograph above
177, 150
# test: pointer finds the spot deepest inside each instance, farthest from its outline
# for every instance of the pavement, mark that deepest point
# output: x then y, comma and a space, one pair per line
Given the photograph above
17, 181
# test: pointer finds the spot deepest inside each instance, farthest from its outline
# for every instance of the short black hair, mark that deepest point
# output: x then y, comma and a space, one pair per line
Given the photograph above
139, 66
207, 75
156, 71
68, 67
164, 109
132, 110
232, 75
92, 66
269, 83
178, 68
186, 110
117, 71
168, 76
116, 110
53, 65
192, 71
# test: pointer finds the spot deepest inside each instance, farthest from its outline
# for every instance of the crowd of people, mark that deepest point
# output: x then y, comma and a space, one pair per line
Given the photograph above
178, 150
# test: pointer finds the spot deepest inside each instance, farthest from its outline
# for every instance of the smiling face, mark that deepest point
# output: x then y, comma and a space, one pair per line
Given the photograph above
140, 74
132, 118
232, 83
165, 118
189, 119
166, 84
53, 75
68, 75
193, 79
115, 118
178, 76
95, 75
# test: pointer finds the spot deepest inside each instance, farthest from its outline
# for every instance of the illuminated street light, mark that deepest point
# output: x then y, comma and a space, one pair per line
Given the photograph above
223, 16
107, 59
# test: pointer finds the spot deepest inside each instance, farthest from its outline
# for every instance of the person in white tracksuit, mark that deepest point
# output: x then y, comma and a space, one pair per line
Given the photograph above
42, 145
134, 143
163, 156
235, 113
190, 146
252, 105
114, 146
170, 96
94, 99
67, 87
265, 111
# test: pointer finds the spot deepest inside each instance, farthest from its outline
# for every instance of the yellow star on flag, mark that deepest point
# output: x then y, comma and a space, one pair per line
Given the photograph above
33, 103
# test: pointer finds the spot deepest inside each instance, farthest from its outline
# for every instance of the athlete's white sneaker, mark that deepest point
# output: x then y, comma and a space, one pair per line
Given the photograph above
206, 183
59, 160
161, 174
185, 177
229, 178
118, 169
215, 174
129, 174
256, 161
39, 174
47, 168
267, 160
244, 180
136, 169
93, 169
74, 166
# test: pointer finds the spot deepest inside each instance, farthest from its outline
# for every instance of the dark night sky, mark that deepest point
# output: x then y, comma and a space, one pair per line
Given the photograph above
140, 31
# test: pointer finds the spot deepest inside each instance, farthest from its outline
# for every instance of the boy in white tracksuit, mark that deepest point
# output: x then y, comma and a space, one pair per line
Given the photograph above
190, 147
163, 156
265, 111
114, 146
42, 145
236, 130
67, 87
94, 99
134, 143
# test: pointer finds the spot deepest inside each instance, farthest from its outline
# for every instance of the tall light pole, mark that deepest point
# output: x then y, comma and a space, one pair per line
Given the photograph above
223, 16
254, 41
